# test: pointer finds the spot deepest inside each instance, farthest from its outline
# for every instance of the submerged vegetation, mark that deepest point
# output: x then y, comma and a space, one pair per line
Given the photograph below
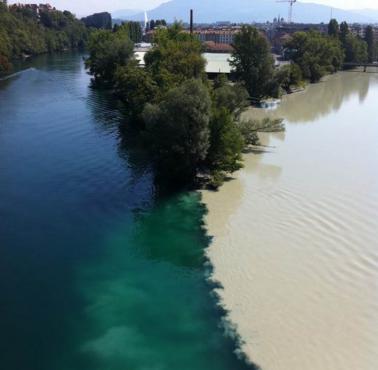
190, 125
26, 32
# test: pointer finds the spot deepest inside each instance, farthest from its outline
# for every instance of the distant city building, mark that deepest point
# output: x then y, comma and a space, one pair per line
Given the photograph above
218, 36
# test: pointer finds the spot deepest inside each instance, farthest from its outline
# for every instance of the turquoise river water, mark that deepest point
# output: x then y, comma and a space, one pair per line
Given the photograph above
97, 272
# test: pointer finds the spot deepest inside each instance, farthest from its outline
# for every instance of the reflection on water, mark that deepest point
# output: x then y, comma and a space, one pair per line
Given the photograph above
297, 255
321, 99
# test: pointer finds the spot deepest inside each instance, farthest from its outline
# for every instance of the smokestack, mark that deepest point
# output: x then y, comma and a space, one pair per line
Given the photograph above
191, 21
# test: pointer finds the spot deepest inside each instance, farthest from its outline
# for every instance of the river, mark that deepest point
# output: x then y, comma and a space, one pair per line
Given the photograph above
97, 271
296, 232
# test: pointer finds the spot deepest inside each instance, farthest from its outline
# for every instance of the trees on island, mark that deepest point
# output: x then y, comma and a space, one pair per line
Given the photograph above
189, 124
178, 130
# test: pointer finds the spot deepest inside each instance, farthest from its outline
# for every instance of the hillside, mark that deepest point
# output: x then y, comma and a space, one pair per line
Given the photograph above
252, 11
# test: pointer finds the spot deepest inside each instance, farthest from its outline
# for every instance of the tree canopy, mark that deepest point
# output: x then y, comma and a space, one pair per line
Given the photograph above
316, 54
178, 129
108, 51
370, 42
175, 57
333, 28
252, 61
24, 32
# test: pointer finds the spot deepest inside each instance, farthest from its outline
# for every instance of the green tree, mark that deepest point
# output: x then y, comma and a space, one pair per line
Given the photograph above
99, 20
133, 29
226, 143
344, 31
108, 51
175, 57
315, 54
233, 98
252, 61
333, 28
23, 32
356, 50
288, 75
135, 88
369, 39
178, 130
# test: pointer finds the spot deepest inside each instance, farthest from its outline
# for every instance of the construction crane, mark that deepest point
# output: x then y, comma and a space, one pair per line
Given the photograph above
291, 3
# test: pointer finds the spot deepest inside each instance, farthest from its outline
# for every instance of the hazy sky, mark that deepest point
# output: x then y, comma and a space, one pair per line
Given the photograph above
83, 7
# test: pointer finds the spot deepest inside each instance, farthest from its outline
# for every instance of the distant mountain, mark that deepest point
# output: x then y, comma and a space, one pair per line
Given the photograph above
368, 13
126, 13
248, 11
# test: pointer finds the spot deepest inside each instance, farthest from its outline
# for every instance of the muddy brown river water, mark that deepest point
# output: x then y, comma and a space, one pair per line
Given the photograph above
296, 233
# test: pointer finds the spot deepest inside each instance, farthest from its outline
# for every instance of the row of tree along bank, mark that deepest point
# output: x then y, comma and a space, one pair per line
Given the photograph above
192, 125
25, 31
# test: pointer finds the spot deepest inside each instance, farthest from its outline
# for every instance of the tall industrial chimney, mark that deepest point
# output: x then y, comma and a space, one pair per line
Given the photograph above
191, 21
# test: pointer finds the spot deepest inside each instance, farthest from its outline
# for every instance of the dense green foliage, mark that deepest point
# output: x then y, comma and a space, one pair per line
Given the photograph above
355, 49
24, 33
178, 129
107, 52
226, 143
135, 87
316, 54
344, 30
99, 21
252, 62
333, 28
288, 76
190, 126
371, 45
233, 98
175, 58
133, 29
